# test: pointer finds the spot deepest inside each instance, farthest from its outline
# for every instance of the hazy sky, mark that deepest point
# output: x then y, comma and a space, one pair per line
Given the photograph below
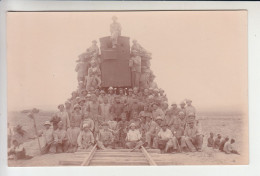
196, 55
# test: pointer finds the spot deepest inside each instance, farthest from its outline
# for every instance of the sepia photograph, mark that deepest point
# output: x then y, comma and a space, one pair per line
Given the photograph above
127, 88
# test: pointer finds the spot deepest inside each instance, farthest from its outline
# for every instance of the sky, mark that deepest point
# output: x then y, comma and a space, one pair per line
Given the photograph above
199, 55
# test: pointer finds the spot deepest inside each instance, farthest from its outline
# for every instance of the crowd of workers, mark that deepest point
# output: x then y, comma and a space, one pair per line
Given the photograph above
122, 117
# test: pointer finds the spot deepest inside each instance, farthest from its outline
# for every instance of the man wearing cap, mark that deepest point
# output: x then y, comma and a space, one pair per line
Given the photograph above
85, 139
64, 117
192, 138
181, 120
115, 30
105, 138
48, 139
60, 139
189, 108
101, 97
133, 137
135, 68
77, 115
72, 134
157, 111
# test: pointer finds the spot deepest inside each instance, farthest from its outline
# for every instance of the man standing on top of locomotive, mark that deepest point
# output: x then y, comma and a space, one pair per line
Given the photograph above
115, 30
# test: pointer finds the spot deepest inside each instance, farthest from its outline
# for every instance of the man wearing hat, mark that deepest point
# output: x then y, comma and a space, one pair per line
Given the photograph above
93, 49
133, 137
64, 117
77, 115
55, 120
94, 110
122, 128
135, 68
117, 109
157, 111
192, 137
115, 30
60, 139
175, 110
151, 127
48, 139
182, 107
106, 110
165, 138
85, 139
68, 108
73, 133
189, 108
87, 119
105, 138
82, 69
110, 95
93, 78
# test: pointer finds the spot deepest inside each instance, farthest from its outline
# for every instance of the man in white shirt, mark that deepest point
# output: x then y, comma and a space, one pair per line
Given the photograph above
166, 139
133, 137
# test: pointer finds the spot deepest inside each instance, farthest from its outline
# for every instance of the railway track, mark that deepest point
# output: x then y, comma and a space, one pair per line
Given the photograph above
112, 157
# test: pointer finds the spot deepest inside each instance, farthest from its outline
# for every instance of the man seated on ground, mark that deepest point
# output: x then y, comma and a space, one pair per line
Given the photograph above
211, 140
150, 130
166, 139
73, 133
222, 144
217, 141
105, 138
48, 139
60, 139
88, 121
85, 139
178, 132
192, 137
17, 151
228, 147
133, 137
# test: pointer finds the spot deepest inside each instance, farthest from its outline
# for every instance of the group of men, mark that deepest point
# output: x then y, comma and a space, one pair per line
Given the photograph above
122, 118
224, 145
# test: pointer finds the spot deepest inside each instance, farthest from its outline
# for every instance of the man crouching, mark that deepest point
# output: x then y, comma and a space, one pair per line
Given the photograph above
105, 138
166, 140
133, 137
85, 138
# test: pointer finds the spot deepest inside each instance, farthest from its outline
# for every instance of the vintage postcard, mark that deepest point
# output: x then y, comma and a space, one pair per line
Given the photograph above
127, 88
